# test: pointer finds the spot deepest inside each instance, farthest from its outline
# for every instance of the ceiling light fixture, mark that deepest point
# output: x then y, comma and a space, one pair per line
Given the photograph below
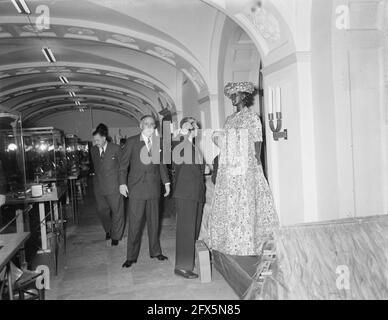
72, 94
77, 103
64, 80
257, 6
21, 6
49, 55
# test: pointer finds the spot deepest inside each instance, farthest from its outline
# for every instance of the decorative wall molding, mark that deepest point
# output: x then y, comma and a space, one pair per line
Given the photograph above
194, 76
203, 100
287, 61
266, 24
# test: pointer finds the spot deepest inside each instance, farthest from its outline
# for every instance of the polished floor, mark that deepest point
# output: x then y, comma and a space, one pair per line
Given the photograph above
92, 268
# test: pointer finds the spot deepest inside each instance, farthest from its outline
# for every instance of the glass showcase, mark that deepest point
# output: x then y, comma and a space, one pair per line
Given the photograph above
12, 171
84, 157
45, 154
72, 155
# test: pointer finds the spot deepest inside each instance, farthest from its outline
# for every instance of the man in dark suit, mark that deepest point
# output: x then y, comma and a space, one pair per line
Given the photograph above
110, 205
189, 195
142, 186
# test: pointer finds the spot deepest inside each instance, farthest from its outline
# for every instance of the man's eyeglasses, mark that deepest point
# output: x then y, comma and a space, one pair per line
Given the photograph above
149, 124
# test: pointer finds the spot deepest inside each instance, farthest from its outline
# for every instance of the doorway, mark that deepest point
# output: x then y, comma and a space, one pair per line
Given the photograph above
243, 63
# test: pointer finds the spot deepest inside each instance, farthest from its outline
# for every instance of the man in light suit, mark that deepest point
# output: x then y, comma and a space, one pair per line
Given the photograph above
142, 186
189, 195
110, 204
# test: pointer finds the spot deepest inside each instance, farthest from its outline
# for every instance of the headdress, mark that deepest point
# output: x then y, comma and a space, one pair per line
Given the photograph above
234, 87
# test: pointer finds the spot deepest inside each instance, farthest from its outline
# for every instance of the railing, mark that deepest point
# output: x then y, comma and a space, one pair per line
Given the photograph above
18, 215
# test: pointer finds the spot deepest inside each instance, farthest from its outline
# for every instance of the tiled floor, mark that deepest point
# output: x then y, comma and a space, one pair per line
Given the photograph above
92, 268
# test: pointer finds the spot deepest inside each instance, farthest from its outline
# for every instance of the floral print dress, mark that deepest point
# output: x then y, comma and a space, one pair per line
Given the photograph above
242, 218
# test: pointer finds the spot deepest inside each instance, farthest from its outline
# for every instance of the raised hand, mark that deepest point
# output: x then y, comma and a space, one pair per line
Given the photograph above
168, 189
124, 190
186, 128
217, 137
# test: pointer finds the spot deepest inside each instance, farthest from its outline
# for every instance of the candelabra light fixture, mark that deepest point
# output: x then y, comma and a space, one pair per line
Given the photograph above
275, 107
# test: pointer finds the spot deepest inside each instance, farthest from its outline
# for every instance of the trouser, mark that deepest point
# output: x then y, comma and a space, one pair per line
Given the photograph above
110, 209
188, 226
138, 210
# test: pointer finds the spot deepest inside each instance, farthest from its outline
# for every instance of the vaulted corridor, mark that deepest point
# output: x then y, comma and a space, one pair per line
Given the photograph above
85, 83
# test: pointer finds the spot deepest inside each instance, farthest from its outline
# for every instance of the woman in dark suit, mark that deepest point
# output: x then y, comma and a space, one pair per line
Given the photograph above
189, 195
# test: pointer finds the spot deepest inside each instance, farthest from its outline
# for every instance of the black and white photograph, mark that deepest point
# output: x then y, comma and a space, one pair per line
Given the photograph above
207, 152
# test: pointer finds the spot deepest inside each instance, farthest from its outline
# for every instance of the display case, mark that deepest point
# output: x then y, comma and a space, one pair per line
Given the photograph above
45, 154
84, 157
72, 155
12, 170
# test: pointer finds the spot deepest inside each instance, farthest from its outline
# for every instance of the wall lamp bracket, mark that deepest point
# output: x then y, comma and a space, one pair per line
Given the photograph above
277, 131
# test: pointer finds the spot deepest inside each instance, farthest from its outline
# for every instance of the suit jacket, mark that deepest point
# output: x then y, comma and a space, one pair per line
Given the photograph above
106, 179
143, 179
3, 180
189, 180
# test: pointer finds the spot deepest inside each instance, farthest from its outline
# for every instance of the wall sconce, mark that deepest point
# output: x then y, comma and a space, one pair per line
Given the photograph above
276, 102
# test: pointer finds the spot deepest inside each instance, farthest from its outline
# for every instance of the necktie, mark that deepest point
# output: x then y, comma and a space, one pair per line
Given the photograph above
149, 145
102, 153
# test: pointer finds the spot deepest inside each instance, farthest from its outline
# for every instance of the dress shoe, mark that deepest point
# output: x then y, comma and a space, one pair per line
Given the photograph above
160, 257
107, 236
128, 263
186, 274
115, 243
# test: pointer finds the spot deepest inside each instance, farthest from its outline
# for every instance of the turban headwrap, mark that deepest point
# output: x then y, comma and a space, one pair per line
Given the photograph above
234, 87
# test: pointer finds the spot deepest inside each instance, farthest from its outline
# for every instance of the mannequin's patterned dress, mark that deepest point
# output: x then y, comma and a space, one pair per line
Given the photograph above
242, 217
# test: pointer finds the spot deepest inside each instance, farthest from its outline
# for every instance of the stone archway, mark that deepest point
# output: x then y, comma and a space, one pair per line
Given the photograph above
265, 24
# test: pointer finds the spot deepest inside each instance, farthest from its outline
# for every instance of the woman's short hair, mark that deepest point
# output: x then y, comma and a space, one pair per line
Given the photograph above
187, 119
102, 130
184, 120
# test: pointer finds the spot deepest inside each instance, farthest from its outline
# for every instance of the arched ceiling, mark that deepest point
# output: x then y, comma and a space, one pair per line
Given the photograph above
117, 55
